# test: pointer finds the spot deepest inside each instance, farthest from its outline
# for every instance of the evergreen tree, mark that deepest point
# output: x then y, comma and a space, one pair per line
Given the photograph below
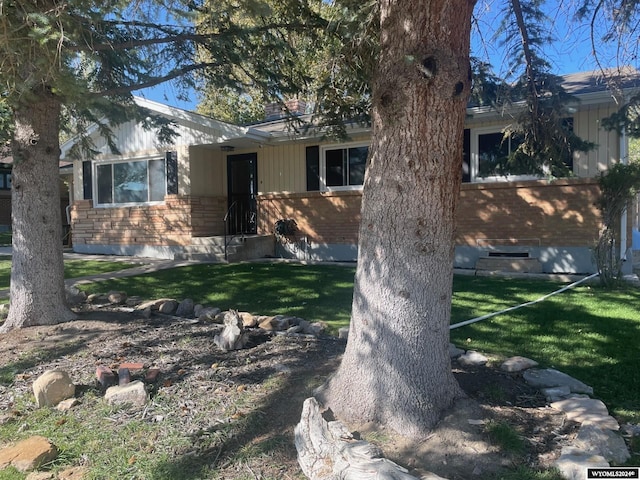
83, 59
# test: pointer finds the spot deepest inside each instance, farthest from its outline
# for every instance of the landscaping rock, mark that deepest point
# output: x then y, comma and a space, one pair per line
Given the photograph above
207, 314
343, 333
587, 411
518, 364
117, 298
598, 441
40, 476
541, 378
277, 323
316, 328
73, 473
555, 394
74, 295
98, 299
185, 308
133, 301
28, 454
248, 320
454, 351
67, 404
168, 307
52, 387
472, 358
573, 463
133, 393
154, 305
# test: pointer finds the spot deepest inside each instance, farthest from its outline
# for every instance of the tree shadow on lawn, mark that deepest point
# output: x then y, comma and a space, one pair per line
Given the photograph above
595, 347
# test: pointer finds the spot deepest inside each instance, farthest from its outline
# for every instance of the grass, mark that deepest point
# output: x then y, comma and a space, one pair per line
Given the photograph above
582, 332
72, 268
588, 332
505, 436
312, 292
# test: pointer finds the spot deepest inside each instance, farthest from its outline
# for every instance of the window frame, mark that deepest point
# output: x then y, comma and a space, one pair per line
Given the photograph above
113, 204
475, 159
323, 165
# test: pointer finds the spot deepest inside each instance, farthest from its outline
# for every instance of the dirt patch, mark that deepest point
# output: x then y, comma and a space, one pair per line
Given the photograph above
260, 390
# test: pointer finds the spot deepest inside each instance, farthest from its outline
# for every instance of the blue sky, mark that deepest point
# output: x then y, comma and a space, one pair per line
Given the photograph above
571, 51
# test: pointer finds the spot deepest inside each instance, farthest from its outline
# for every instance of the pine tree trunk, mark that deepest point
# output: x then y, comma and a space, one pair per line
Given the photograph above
396, 369
37, 273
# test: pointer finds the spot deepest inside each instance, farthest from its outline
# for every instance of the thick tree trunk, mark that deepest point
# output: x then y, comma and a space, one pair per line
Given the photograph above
37, 272
396, 369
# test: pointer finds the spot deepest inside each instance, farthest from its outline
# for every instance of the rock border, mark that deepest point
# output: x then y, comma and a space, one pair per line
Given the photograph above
328, 451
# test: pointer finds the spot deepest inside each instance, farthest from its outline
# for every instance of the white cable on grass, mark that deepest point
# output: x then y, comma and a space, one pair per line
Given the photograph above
489, 315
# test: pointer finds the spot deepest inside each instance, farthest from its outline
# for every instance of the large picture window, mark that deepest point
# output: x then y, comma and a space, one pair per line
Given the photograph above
343, 167
132, 182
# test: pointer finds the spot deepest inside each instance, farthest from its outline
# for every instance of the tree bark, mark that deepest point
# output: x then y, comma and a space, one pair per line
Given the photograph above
37, 295
396, 370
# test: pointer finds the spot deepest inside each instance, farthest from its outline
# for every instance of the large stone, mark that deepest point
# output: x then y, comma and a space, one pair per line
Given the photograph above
554, 394
74, 295
605, 442
185, 308
518, 364
116, 297
208, 314
455, 352
587, 411
28, 454
248, 319
52, 387
277, 323
545, 378
472, 358
168, 307
154, 305
132, 393
573, 464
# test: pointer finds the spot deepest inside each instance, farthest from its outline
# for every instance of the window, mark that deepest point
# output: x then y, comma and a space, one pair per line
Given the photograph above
343, 168
490, 150
493, 152
138, 181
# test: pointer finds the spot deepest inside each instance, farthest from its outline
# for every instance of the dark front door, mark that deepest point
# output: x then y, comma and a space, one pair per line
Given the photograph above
243, 187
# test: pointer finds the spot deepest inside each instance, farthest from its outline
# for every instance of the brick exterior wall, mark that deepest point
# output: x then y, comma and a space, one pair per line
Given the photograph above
560, 213
173, 223
532, 213
323, 217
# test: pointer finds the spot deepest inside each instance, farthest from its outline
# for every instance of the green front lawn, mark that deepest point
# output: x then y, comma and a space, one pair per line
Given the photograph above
72, 268
588, 332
